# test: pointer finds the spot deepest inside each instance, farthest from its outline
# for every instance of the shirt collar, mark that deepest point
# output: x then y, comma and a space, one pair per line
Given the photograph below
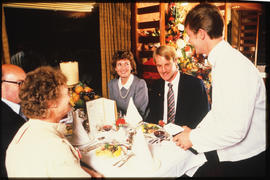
15, 107
128, 84
57, 127
174, 81
215, 51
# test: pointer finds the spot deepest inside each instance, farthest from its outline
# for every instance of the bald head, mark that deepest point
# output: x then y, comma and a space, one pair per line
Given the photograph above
10, 90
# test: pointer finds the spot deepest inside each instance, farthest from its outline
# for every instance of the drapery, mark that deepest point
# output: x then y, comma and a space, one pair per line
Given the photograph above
5, 47
115, 34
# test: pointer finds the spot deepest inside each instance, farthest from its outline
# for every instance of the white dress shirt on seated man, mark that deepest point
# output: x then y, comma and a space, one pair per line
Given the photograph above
15, 107
236, 124
39, 149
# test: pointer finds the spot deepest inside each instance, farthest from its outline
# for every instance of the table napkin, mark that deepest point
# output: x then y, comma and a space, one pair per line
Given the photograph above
79, 134
141, 150
132, 117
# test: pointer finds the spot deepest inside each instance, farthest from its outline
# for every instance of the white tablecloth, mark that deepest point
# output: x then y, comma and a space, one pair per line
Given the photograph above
170, 161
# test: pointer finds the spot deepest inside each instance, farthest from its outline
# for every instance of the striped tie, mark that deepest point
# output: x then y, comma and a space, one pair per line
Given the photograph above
171, 104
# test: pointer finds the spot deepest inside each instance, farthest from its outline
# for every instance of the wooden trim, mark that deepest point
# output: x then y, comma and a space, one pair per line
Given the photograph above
162, 24
145, 54
78, 7
257, 40
150, 24
149, 9
147, 39
134, 34
226, 21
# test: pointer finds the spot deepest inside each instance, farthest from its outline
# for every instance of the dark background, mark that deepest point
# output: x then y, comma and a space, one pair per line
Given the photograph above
49, 37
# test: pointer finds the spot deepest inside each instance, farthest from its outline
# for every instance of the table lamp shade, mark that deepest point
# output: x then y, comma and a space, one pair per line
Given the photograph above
71, 71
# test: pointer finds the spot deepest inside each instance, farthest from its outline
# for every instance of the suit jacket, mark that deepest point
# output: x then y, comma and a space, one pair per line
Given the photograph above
10, 123
192, 104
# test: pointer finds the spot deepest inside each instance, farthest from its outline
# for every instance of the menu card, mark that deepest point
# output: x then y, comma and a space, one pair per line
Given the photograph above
173, 129
100, 112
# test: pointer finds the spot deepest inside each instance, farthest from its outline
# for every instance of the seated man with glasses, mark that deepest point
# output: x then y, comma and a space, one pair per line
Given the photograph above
12, 78
14, 82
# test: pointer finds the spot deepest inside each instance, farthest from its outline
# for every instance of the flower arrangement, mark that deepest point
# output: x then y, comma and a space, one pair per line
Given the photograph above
188, 61
161, 123
120, 122
80, 94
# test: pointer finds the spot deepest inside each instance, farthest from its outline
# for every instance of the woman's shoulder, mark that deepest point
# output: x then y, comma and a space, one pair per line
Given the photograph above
138, 80
113, 81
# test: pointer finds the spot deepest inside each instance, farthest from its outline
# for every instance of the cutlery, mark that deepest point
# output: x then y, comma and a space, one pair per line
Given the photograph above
91, 147
123, 160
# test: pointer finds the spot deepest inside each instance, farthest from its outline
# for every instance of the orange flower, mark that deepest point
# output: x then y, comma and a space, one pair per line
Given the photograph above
161, 123
187, 48
199, 76
171, 18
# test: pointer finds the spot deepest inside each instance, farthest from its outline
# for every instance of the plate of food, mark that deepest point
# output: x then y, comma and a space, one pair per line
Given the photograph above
109, 150
149, 128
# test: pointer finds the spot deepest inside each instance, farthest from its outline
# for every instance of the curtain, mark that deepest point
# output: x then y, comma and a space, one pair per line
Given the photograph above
5, 47
115, 34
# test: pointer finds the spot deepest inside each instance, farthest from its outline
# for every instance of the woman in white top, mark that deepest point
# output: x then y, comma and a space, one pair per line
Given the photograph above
39, 149
126, 84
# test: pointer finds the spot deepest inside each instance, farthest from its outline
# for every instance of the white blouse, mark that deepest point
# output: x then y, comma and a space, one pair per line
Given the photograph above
236, 124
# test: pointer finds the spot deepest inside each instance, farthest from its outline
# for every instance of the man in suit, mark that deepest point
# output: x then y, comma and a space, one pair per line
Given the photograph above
12, 77
189, 98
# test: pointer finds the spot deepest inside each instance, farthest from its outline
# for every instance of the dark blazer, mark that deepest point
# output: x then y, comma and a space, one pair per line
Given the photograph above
192, 103
10, 123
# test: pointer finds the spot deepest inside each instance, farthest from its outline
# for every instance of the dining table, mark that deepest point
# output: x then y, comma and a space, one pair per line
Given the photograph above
143, 154
168, 160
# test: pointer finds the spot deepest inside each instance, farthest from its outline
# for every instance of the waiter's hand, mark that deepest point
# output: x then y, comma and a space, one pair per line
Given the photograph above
182, 139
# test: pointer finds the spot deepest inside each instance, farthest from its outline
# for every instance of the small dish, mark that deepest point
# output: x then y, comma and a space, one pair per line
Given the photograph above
159, 133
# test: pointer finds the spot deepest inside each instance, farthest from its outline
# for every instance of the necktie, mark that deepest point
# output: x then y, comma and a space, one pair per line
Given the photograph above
22, 115
171, 104
123, 92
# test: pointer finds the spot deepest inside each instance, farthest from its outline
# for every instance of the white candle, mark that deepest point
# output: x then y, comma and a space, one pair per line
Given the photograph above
71, 71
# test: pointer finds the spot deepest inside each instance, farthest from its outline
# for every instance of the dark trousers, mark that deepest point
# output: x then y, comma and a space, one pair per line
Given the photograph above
252, 167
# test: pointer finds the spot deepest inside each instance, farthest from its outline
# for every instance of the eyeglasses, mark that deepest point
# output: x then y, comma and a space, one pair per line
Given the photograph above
14, 82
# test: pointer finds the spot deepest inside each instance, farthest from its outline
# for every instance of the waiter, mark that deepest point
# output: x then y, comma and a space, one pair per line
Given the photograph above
234, 129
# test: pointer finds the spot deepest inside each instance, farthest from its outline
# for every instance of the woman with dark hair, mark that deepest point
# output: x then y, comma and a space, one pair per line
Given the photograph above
126, 84
39, 149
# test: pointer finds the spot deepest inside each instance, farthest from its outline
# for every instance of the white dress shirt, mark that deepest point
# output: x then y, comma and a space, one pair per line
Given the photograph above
15, 107
128, 83
175, 83
236, 124
39, 149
